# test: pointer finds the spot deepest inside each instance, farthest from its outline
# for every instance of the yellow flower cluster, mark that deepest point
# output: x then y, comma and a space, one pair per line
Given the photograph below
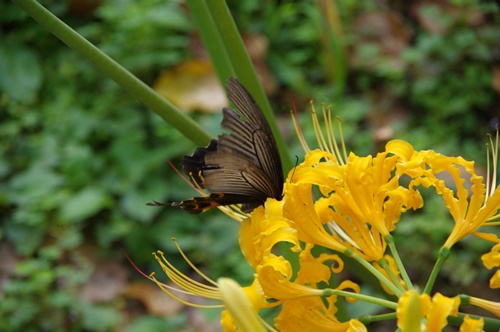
335, 206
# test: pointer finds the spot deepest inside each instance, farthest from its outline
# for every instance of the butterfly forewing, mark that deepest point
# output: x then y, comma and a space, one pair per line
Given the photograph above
263, 148
240, 167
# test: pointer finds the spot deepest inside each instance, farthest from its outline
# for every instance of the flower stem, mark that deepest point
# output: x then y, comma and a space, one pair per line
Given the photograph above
385, 265
490, 324
365, 298
392, 247
395, 290
444, 253
367, 319
189, 128
212, 41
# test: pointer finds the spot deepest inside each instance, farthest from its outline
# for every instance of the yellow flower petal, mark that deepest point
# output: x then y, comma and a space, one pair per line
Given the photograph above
312, 269
441, 307
492, 259
495, 280
412, 307
400, 148
263, 230
471, 325
493, 307
310, 315
242, 312
299, 209
274, 278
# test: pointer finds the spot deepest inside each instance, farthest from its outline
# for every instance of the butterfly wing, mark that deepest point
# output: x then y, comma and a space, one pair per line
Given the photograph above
231, 180
251, 136
241, 167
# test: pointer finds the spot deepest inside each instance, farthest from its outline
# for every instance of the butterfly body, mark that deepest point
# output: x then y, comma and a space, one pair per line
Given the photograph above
240, 167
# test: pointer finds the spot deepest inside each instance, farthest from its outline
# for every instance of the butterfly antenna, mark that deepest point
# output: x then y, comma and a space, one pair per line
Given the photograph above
296, 164
185, 179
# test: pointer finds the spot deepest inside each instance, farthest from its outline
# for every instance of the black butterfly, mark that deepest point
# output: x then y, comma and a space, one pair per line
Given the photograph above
242, 167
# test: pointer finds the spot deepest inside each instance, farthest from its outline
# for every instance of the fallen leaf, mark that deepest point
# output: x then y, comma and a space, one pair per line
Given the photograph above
257, 47
8, 261
192, 85
153, 298
496, 79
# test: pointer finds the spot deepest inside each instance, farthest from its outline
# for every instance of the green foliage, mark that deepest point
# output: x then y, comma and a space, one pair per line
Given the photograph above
143, 36
453, 79
29, 298
81, 157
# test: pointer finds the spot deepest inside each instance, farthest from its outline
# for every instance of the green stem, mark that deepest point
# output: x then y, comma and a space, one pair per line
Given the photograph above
444, 253
367, 319
385, 265
189, 128
390, 242
490, 324
395, 290
362, 297
245, 72
212, 41
334, 46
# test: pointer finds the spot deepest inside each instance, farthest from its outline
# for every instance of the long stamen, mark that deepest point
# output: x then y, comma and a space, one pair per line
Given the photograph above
329, 128
491, 178
192, 265
317, 130
341, 134
299, 131
494, 155
488, 180
186, 285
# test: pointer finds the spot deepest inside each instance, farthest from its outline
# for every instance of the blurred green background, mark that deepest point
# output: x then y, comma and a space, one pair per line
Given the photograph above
81, 158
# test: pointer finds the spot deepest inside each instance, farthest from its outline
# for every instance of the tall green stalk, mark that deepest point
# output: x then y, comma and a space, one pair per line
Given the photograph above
223, 42
188, 127
228, 53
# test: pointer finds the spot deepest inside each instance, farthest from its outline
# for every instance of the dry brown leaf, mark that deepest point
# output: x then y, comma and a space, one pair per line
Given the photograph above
192, 85
154, 299
496, 79
158, 303
8, 261
83, 8
257, 46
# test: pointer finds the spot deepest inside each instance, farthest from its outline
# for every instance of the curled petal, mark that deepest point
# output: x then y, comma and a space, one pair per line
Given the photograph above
310, 314
347, 284
492, 259
263, 230
400, 148
495, 280
441, 307
472, 325
274, 277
